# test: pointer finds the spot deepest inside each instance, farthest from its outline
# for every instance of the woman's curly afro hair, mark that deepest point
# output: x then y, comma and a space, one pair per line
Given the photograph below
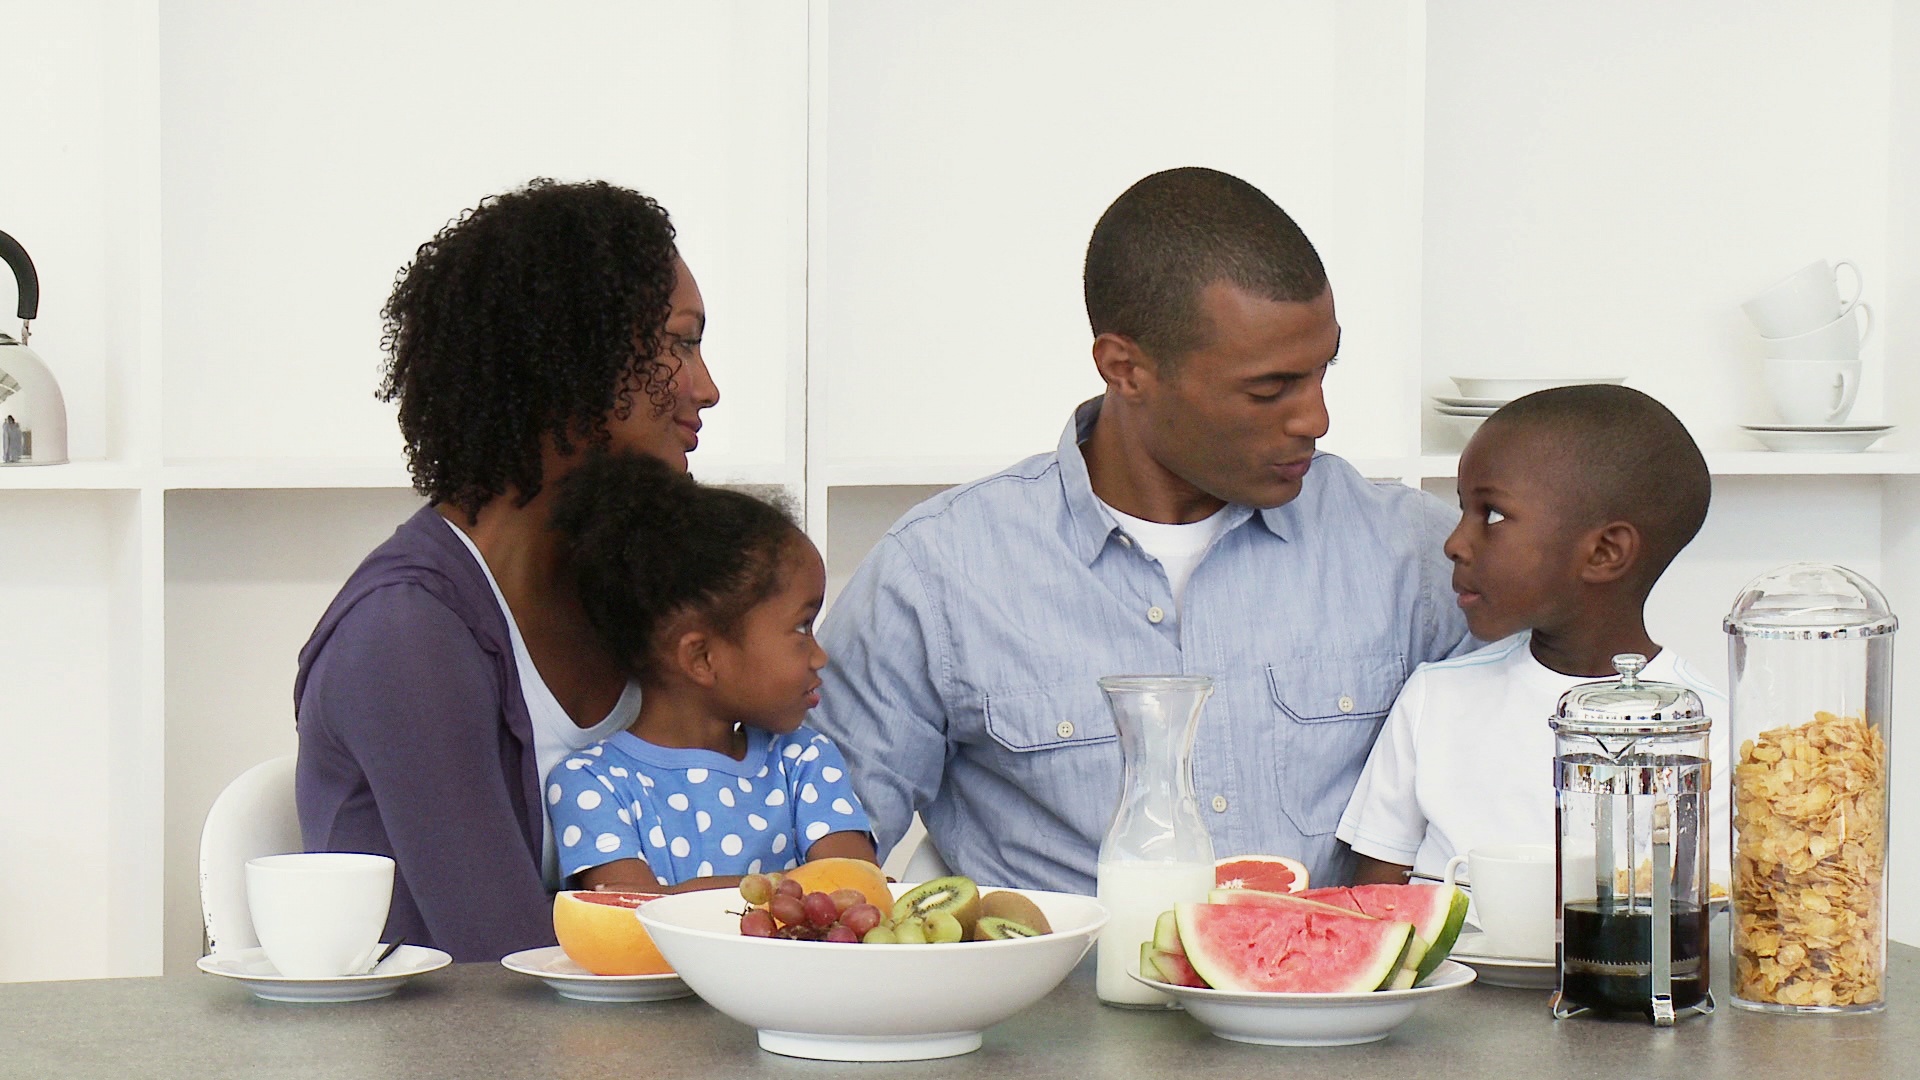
535, 314
648, 543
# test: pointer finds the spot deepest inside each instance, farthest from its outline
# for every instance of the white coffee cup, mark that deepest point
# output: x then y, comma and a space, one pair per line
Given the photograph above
1513, 897
319, 915
1811, 392
1839, 340
1807, 298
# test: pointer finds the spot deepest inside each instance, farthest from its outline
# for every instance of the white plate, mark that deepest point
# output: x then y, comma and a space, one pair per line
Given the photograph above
1827, 441
1817, 427
1310, 1019
1514, 971
1470, 402
1506, 389
551, 966
1449, 410
251, 967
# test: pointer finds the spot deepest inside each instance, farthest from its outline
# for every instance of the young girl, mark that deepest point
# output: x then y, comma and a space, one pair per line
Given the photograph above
709, 597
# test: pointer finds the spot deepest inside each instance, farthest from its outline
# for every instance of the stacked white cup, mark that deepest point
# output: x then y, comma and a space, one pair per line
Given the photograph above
1813, 340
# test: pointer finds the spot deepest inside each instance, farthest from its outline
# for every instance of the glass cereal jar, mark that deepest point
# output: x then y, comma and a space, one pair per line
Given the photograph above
1810, 666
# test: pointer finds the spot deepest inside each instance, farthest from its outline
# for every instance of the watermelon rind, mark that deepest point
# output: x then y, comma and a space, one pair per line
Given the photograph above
1174, 969
1166, 934
1437, 912
1293, 948
1275, 899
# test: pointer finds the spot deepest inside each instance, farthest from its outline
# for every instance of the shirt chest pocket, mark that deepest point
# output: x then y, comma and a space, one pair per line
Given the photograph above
1329, 709
1050, 718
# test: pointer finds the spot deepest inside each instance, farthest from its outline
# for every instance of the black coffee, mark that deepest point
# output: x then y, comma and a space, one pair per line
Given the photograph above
1607, 957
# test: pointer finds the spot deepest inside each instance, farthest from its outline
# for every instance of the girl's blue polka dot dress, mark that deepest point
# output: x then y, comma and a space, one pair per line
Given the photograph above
695, 813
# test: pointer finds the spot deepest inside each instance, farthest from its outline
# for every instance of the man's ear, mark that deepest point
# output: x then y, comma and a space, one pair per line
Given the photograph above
1612, 550
1122, 364
693, 656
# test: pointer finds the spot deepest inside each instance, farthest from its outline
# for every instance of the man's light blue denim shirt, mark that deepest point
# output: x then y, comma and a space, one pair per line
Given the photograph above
965, 649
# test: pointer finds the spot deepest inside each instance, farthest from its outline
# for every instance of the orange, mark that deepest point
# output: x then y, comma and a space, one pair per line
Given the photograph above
600, 932
828, 875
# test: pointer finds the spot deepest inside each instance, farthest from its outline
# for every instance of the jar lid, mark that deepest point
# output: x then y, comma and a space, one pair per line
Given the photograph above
1629, 706
1810, 602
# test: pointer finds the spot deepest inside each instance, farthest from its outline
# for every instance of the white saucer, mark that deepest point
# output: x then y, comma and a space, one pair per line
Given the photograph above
1449, 410
551, 966
1808, 440
1512, 971
1817, 427
1470, 402
251, 967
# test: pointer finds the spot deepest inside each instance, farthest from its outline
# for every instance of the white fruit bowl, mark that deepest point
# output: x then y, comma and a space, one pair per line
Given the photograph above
816, 999
1310, 1019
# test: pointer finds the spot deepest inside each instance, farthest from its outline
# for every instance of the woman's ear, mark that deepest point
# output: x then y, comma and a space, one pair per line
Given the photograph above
693, 657
1612, 551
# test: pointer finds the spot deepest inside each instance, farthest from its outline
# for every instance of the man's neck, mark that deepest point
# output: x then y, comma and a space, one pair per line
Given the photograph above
1125, 476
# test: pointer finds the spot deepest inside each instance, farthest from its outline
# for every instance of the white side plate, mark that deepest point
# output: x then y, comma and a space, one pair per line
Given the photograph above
551, 966
252, 969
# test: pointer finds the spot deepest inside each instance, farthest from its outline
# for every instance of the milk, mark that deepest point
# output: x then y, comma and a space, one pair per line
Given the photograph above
1134, 894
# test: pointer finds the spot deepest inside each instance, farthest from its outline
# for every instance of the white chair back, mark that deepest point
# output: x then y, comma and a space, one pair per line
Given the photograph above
254, 816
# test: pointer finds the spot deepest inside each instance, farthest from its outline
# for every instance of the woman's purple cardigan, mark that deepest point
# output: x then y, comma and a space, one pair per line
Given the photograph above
415, 742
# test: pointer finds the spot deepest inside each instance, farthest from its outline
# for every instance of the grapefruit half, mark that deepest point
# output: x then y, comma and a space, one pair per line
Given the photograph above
1264, 873
601, 932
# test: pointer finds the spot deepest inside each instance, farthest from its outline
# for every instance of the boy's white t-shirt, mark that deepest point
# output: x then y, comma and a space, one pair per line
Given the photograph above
1466, 759
555, 735
1177, 548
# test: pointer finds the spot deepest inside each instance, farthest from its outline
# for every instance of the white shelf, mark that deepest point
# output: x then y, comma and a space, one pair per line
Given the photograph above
73, 476
284, 473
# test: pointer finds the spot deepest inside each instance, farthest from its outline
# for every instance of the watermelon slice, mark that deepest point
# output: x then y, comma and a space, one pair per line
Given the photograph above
1293, 949
1166, 934
1272, 899
1436, 911
1167, 967
1268, 873
1417, 949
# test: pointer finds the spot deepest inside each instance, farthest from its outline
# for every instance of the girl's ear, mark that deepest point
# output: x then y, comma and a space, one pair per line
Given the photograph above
1612, 551
693, 657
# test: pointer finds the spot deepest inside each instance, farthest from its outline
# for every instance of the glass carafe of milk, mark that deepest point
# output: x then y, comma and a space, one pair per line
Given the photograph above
1157, 852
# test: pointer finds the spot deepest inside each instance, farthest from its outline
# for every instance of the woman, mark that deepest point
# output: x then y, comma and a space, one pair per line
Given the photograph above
456, 666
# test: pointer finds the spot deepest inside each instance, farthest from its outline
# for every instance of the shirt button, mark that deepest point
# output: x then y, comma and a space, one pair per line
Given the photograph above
1346, 703
1125, 540
1065, 729
1154, 615
1219, 804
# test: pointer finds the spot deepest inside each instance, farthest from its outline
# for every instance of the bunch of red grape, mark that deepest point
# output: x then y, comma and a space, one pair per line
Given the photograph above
782, 909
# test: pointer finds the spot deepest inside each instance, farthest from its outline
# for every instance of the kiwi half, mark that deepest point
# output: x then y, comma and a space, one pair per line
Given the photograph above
957, 896
995, 928
1011, 906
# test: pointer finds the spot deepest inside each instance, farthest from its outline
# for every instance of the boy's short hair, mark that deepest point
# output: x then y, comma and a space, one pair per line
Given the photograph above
1618, 455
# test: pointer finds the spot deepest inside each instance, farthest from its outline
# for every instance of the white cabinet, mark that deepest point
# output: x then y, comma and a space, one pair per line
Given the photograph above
887, 206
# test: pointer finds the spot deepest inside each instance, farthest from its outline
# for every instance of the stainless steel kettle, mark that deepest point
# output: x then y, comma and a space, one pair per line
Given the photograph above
33, 414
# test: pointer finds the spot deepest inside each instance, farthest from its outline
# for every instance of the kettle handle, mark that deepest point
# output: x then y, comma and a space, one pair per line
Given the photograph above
24, 275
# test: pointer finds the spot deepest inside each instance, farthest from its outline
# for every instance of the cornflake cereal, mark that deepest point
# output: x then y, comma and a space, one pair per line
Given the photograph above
1810, 864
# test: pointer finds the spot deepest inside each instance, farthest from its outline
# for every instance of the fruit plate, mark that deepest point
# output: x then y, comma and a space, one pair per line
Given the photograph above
834, 1002
1310, 1019
251, 968
551, 966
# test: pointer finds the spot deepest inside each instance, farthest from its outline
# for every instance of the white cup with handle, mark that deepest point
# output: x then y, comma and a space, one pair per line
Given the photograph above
1839, 341
1805, 299
319, 914
1513, 897
1811, 392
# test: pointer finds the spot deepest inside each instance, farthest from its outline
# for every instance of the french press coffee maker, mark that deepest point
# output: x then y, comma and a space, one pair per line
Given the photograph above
1630, 777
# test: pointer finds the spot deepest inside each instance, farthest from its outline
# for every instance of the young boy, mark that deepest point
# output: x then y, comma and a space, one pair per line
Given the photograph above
1573, 501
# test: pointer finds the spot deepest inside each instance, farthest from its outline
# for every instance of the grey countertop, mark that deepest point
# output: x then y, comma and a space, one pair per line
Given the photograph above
480, 1020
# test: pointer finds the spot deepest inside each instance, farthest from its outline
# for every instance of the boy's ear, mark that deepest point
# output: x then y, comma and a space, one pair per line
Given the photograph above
1612, 551
693, 656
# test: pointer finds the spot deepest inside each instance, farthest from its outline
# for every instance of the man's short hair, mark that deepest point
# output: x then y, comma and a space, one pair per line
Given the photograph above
1619, 455
1174, 233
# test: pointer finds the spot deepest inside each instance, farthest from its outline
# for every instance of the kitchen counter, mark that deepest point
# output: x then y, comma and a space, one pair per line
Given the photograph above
480, 1020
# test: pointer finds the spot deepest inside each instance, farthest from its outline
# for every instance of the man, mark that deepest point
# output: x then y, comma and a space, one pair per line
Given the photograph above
1185, 525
